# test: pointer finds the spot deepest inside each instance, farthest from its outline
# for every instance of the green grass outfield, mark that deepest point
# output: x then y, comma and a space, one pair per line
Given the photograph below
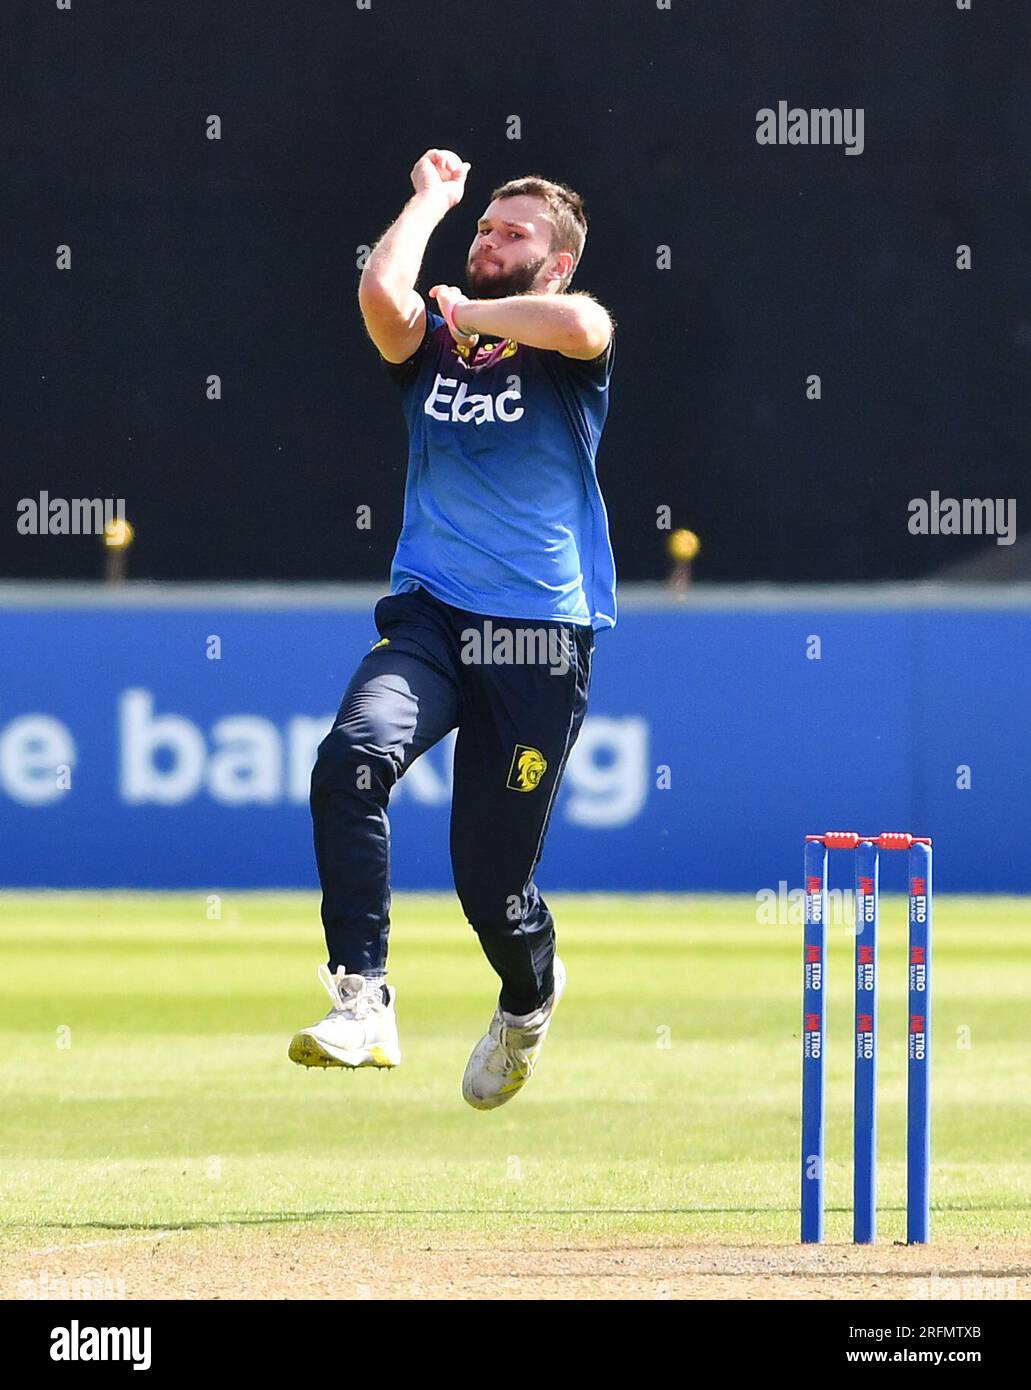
145, 1082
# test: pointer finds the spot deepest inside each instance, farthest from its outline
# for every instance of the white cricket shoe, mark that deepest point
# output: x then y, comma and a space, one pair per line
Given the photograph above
503, 1061
359, 1030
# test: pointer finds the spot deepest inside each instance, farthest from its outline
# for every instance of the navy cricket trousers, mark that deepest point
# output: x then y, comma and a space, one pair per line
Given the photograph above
517, 721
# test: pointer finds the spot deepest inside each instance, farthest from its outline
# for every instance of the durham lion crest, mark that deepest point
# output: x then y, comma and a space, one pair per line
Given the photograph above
528, 767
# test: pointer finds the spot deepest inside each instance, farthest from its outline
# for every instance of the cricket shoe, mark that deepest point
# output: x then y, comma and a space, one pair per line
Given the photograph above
360, 1030
503, 1061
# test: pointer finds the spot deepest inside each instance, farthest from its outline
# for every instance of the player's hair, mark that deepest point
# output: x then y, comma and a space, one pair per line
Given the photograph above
565, 213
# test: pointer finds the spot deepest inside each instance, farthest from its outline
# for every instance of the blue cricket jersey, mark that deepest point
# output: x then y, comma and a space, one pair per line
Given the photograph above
503, 513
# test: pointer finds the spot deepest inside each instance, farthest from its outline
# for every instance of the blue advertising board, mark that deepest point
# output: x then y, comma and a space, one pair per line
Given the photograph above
166, 741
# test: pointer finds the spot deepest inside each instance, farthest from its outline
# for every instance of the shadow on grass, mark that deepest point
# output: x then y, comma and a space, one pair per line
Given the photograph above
332, 1213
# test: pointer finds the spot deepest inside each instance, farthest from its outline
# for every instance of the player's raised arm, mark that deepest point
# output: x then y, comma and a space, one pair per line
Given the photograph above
575, 324
394, 314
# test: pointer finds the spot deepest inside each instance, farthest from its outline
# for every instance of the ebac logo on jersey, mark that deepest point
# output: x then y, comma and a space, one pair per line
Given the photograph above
465, 407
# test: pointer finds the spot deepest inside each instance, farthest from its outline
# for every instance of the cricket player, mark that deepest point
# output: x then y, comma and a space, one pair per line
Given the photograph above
502, 574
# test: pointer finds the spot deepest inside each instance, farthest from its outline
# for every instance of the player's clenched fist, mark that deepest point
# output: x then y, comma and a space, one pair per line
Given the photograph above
441, 172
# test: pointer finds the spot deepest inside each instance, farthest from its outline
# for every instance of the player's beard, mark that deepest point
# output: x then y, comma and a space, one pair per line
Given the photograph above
499, 284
